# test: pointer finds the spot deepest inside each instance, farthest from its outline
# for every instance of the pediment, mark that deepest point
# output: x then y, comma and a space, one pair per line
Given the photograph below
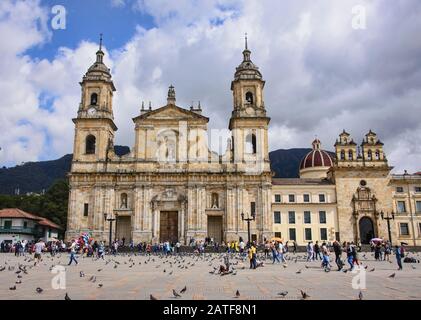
171, 112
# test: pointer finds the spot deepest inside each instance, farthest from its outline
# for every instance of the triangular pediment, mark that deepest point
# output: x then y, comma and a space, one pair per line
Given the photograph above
171, 112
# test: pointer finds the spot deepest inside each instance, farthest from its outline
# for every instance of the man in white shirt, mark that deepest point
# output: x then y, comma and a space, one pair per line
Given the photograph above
39, 248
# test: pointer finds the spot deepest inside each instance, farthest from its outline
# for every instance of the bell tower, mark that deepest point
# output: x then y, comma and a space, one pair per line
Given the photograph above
94, 124
249, 123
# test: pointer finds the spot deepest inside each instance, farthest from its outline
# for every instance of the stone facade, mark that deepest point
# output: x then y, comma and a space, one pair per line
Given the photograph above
170, 186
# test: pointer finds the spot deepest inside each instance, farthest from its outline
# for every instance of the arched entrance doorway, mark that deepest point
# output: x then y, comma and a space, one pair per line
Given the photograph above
366, 230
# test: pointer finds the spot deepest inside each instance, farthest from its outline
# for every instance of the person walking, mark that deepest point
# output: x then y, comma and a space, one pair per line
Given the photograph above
274, 253
398, 253
310, 252
39, 248
377, 254
252, 256
281, 251
350, 256
387, 251
317, 251
326, 259
294, 247
73, 253
101, 250
338, 253
355, 259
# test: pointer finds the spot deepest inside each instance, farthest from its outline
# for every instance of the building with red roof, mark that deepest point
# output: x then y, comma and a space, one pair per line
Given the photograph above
17, 225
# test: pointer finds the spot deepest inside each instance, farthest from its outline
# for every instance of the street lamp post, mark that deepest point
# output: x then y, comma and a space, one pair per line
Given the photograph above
110, 219
253, 217
388, 218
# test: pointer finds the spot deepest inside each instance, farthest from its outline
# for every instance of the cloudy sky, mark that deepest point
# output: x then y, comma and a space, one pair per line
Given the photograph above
328, 65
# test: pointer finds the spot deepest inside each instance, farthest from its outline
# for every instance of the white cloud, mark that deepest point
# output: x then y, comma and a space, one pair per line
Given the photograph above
322, 75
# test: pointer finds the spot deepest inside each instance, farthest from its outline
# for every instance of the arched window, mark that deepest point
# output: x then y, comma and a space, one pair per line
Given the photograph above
350, 155
94, 99
369, 155
90, 144
215, 201
123, 201
377, 155
251, 143
249, 97
342, 155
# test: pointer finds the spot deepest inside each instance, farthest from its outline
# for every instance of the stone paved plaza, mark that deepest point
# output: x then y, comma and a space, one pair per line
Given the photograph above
136, 277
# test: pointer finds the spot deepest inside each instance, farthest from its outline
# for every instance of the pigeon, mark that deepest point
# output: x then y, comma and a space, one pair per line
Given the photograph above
115, 266
344, 270
304, 294
39, 290
175, 293
66, 297
283, 294
2, 268
372, 270
19, 276
306, 266
18, 282
365, 267
151, 297
81, 274
99, 270
184, 289
392, 275
360, 296
170, 273
100, 285
298, 271
12, 288
237, 294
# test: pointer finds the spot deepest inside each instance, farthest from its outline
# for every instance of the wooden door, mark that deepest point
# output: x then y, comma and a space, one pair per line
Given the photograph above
168, 229
215, 228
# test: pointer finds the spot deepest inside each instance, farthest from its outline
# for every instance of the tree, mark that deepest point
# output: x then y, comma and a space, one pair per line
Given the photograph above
52, 205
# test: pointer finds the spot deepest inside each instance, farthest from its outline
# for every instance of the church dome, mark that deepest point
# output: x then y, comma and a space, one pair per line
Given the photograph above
316, 163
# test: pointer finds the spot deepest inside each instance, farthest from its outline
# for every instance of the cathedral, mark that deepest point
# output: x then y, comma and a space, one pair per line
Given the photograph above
171, 186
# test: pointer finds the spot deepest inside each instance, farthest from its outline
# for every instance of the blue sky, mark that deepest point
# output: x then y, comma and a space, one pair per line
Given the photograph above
87, 19
322, 74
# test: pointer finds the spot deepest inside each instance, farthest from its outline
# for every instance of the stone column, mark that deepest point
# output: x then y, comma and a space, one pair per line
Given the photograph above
182, 231
137, 214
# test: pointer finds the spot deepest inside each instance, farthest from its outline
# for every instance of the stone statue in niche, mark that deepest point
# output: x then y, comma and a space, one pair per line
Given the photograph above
123, 201
215, 201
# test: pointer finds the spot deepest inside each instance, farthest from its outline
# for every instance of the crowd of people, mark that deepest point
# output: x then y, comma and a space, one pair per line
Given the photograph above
20, 248
274, 249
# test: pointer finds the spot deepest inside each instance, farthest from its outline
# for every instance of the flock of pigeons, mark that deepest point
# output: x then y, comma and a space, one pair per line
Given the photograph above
168, 264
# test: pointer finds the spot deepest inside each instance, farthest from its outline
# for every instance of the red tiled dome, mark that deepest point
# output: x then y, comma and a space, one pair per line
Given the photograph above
316, 157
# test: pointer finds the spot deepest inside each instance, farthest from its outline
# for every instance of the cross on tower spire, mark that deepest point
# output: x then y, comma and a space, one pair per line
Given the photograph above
246, 41
100, 41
